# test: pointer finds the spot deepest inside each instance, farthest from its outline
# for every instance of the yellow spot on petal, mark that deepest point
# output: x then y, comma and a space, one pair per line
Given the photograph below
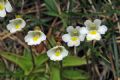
57, 53
2, 6
35, 38
17, 26
74, 38
93, 32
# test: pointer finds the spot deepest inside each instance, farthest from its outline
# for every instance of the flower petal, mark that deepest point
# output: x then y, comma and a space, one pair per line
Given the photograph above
73, 43
87, 23
2, 13
43, 36
56, 58
82, 37
23, 23
52, 55
30, 42
70, 44
78, 27
64, 52
8, 6
97, 22
37, 42
11, 28
28, 36
66, 37
83, 30
50, 52
77, 43
102, 29
69, 29
93, 37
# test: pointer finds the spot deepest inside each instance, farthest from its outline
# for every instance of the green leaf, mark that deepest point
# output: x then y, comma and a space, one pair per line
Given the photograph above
39, 69
73, 61
75, 74
23, 62
40, 59
51, 13
2, 67
116, 54
27, 53
55, 71
51, 5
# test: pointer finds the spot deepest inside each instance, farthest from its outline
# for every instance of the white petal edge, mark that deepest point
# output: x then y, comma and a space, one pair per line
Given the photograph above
82, 37
93, 37
87, 23
9, 26
77, 43
69, 29
43, 36
65, 52
102, 29
50, 52
66, 37
70, 44
2, 13
8, 6
12, 30
83, 30
97, 22
23, 23
78, 28
56, 58
28, 37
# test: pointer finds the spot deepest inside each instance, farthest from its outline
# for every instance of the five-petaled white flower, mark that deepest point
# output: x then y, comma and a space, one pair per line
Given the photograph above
5, 6
16, 25
57, 53
35, 37
93, 29
73, 37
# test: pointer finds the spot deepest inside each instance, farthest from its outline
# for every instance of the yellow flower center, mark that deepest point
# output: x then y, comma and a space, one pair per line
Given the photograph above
74, 38
93, 32
57, 53
2, 6
17, 26
35, 38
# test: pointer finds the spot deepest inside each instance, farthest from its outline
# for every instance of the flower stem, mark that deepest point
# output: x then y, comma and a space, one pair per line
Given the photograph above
75, 51
32, 56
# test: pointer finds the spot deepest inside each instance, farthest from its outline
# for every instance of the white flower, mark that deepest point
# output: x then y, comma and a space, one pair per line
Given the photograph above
93, 29
5, 6
73, 37
16, 25
35, 37
57, 53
